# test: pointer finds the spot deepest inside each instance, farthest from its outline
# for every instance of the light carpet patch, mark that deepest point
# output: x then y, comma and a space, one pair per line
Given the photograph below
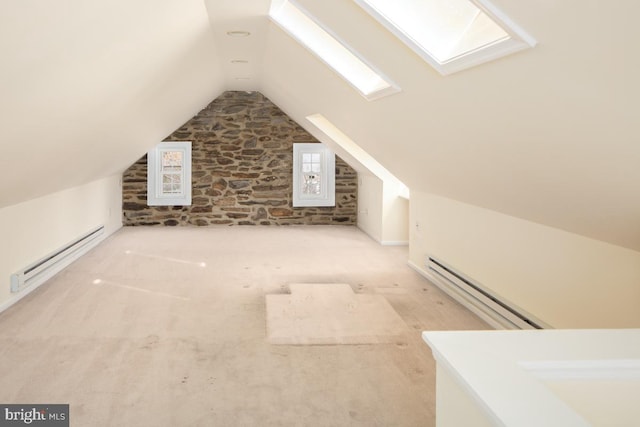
331, 313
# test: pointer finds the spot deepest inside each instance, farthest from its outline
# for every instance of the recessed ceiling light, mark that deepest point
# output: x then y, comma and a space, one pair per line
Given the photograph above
239, 61
238, 33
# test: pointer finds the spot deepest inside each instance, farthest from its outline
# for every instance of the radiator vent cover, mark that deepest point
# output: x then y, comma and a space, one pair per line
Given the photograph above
495, 310
41, 270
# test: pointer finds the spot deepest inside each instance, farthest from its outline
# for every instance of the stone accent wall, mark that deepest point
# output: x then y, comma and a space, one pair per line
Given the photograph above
242, 165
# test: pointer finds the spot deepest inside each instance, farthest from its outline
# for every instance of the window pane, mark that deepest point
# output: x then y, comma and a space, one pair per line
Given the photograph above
332, 51
443, 28
171, 183
311, 184
176, 181
172, 161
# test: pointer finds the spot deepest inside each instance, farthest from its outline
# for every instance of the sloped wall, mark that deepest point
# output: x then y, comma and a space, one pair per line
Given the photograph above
242, 159
33, 229
564, 279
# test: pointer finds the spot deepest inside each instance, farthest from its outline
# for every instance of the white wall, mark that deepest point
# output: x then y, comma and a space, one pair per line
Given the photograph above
382, 213
33, 229
395, 214
454, 405
370, 205
529, 135
564, 279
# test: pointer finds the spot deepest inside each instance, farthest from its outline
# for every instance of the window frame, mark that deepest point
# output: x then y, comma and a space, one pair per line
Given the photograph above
518, 39
337, 48
327, 196
155, 194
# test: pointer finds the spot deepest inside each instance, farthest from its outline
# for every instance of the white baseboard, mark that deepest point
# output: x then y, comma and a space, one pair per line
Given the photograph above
367, 233
384, 242
394, 243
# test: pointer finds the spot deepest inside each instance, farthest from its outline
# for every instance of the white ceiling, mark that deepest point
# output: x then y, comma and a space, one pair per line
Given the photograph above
88, 86
548, 134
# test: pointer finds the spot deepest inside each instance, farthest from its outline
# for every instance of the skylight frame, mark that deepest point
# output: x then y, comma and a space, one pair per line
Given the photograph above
391, 87
518, 39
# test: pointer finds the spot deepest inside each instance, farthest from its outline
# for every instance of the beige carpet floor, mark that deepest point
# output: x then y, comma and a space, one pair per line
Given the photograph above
167, 327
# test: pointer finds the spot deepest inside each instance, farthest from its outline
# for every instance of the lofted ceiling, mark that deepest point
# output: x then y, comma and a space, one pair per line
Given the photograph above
549, 134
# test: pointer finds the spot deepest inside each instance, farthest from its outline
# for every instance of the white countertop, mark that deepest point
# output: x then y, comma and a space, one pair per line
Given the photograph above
546, 377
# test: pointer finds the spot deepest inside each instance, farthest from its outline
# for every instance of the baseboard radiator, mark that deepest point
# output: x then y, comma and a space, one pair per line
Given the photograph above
43, 269
496, 311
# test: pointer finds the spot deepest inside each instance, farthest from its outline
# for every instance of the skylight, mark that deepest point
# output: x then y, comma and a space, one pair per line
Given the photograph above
301, 26
450, 34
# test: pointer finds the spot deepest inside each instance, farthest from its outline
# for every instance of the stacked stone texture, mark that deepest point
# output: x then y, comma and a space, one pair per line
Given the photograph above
242, 165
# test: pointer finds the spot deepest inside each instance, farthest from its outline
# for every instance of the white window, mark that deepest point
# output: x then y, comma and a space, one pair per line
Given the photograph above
300, 24
451, 35
169, 174
314, 168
